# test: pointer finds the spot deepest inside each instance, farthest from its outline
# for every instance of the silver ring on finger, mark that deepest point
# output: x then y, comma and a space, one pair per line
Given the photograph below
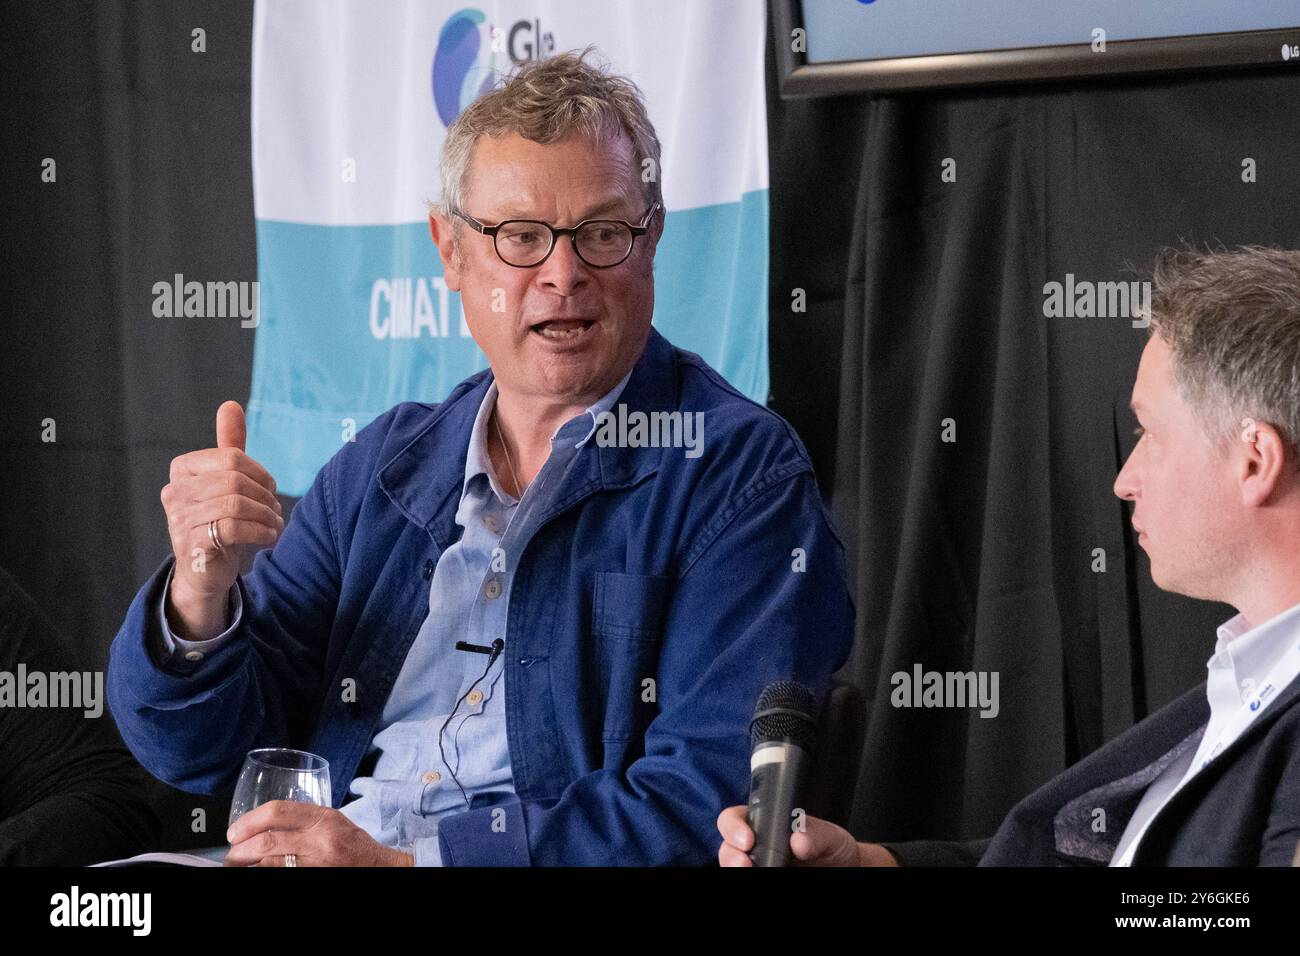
291, 859
212, 535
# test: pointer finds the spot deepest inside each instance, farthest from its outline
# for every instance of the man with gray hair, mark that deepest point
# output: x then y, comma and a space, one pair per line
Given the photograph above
1213, 778
513, 643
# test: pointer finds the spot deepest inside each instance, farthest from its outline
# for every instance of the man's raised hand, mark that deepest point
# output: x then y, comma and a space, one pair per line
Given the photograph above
223, 487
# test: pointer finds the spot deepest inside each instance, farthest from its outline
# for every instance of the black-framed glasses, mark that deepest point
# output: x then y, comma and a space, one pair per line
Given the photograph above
600, 243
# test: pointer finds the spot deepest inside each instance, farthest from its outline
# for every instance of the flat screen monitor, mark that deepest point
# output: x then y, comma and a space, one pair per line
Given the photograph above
849, 46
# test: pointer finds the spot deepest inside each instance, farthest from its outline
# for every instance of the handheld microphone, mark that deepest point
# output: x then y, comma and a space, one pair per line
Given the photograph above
783, 736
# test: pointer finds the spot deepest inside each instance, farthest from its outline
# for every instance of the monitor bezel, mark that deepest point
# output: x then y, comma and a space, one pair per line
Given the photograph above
796, 77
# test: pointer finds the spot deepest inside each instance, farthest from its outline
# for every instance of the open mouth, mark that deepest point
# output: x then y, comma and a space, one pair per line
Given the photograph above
562, 330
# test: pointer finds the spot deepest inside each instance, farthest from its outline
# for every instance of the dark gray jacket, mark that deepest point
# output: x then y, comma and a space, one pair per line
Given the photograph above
70, 794
1241, 810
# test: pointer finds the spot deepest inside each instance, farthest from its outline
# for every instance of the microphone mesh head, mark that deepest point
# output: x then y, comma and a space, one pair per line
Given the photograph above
786, 710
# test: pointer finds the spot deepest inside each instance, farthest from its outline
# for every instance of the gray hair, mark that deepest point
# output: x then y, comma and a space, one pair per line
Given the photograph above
546, 101
1232, 321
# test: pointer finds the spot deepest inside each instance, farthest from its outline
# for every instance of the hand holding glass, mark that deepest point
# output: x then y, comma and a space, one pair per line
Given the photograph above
275, 773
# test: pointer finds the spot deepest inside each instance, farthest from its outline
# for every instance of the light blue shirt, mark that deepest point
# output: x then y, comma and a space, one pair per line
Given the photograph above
411, 787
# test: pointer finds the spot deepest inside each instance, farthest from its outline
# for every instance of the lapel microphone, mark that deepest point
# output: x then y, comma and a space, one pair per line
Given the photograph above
493, 652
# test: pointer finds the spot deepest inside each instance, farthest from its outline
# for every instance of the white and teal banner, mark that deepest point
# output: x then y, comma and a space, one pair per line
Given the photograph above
351, 100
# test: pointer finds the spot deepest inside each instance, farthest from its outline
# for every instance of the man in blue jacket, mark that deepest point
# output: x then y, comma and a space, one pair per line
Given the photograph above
526, 625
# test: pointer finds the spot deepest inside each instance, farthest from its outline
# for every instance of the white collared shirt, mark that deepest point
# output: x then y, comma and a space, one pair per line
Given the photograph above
1243, 656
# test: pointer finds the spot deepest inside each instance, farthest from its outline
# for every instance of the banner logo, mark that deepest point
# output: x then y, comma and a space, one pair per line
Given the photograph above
460, 75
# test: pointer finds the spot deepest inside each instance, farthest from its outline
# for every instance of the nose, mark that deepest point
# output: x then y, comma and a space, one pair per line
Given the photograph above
563, 271
1126, 485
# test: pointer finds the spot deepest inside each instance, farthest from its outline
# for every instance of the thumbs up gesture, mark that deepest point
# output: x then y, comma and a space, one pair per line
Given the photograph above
219, 503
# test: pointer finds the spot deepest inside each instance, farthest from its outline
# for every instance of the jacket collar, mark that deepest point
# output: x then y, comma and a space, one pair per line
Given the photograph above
425, 478
1183, 720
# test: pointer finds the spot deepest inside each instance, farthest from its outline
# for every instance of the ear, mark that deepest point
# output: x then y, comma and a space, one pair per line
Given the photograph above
440, 229
1264, 470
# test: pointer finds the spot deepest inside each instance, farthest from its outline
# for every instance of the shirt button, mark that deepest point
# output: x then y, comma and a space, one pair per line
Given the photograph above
428, 568
492, 524
194, 656
493, 589
432, 777
475, 697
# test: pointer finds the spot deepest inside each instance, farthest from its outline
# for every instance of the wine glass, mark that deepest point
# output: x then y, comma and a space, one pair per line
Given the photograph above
277, 773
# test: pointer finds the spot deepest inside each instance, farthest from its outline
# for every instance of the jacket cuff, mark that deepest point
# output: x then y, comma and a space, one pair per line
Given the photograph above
937, 852
133, 659
486, 836
174, 648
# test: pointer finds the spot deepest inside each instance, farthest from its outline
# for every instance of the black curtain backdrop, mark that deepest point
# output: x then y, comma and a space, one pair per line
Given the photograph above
978, 554
153, 155
968, 555
154, 177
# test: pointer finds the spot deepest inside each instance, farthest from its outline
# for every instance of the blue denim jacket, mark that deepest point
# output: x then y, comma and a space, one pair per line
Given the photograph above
658, 597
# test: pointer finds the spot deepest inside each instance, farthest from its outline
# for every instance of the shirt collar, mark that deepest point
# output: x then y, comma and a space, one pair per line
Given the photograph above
1252, 651
477, 460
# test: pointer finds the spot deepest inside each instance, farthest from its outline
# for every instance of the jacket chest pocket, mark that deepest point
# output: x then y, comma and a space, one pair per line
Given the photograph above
628, 614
